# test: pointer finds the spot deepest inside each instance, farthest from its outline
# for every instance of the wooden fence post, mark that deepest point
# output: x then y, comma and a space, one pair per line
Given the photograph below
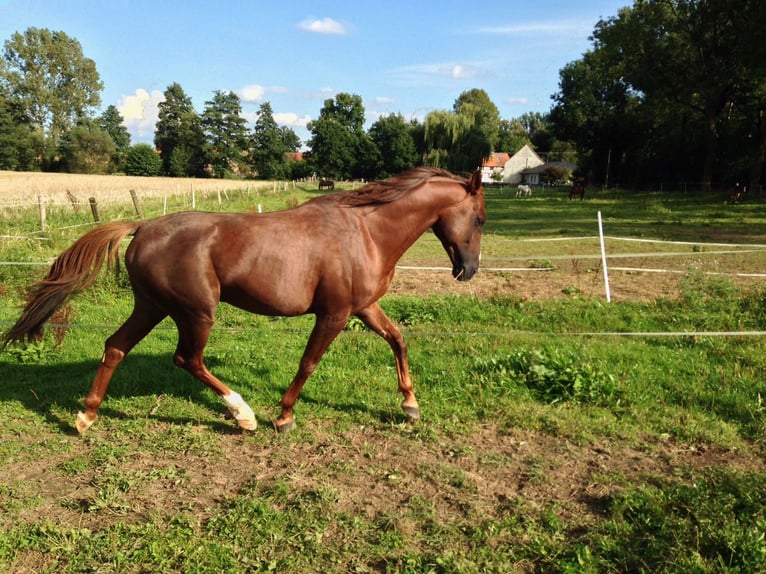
43, 216
94, 210
136, 204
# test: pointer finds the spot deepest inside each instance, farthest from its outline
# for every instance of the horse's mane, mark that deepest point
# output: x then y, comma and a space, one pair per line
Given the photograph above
391, 189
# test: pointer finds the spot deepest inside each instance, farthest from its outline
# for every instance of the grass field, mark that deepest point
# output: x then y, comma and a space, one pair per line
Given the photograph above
560, 433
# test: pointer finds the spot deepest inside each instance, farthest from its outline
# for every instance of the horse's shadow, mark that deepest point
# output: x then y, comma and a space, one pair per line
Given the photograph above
48, 389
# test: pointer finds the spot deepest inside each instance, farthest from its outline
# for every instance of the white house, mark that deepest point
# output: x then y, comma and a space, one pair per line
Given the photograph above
493, 165
509, 166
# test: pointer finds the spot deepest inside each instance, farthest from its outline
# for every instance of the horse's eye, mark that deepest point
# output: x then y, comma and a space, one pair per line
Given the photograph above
479, 222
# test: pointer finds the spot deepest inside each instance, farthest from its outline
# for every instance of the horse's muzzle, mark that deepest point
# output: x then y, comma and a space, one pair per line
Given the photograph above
464, 273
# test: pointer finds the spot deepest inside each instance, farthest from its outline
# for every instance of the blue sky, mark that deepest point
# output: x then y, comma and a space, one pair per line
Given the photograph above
408, 57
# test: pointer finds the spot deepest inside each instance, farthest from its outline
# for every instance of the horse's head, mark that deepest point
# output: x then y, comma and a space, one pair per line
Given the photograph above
459, 229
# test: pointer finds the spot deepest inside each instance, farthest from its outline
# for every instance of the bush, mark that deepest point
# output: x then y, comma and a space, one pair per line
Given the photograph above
143, 160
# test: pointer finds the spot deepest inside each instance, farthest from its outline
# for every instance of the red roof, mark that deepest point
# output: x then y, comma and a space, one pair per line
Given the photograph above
497, 159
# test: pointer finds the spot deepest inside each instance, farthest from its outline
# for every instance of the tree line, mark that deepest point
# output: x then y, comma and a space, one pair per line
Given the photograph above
49, 91
670, 91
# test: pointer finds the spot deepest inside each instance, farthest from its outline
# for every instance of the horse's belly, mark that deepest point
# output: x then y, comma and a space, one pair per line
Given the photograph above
267, 300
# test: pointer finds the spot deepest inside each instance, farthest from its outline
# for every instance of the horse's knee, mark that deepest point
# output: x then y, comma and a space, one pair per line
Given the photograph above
112, 356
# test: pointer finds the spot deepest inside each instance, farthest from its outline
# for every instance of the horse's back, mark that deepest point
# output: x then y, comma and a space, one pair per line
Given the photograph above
270, 263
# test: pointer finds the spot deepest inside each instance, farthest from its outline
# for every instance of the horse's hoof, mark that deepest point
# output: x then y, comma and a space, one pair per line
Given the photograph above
284, 427
241, 411
412, 412
247, 424
82, 422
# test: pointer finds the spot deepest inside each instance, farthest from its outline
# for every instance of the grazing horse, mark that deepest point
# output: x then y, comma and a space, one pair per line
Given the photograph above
523, 190
326, 184
333, 256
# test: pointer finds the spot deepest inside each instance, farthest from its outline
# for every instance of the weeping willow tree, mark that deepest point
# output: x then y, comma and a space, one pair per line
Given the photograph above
460, 139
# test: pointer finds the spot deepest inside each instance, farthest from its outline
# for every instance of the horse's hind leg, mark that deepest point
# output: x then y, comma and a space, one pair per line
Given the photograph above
192, 338
116, 348
378, 321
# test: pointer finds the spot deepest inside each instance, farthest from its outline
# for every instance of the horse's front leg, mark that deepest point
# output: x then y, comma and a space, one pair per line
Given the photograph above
325, 330
378, 321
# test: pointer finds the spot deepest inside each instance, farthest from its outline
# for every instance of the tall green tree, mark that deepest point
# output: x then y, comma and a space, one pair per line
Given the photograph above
336, 136
50, 80
396, 148
112, 123
178, 135
512, 136
270, 143
597, 110
486, 117
20, 145
225, 132
417, 132
460, 139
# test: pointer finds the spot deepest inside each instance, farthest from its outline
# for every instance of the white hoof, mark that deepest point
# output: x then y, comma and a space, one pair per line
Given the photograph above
82, 422
241, 411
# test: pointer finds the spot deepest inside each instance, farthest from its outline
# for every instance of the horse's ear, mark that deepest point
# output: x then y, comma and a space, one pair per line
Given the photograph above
475, 183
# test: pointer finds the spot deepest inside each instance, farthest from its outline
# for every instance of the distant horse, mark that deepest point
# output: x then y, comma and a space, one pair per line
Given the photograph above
523, 191
326, 184
333, 256
735, 193
578, 189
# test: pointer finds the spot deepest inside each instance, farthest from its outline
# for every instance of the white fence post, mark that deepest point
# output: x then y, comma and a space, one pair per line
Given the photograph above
603, 258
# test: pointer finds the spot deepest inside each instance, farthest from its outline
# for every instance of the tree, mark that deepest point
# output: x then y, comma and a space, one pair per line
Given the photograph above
417, 132
596, 109
270, 143
333, 148
86, 148
336, 137
486, 116
396, 148
178, 135
683, 54
537, 126
512, 136
142, 159
19, 144
225, 132
111, 122
51, 80
460, 140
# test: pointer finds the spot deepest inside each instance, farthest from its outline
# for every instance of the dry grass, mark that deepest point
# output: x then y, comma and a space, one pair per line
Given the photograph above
23, 188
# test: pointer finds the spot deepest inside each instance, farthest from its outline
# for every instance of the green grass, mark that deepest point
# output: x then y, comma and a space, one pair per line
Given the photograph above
544, 446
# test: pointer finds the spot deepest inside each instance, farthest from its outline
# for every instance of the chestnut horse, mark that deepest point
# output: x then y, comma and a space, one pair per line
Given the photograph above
333, 256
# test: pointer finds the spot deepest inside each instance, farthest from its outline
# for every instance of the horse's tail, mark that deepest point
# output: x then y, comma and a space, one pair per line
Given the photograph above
72, 272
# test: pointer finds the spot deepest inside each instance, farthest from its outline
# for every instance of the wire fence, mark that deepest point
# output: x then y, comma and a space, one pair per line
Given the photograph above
496, 263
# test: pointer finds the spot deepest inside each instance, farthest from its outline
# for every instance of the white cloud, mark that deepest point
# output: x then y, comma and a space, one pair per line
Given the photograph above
321, 94
140, 113
323, 26
251, 93
561, 27
254, 93
291, 119
518, 101
385, 101
420, 73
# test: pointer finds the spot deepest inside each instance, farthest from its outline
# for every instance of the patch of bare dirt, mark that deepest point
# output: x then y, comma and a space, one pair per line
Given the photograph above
371, 471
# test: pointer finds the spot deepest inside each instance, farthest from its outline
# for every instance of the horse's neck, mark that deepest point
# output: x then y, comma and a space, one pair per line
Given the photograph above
399, 224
